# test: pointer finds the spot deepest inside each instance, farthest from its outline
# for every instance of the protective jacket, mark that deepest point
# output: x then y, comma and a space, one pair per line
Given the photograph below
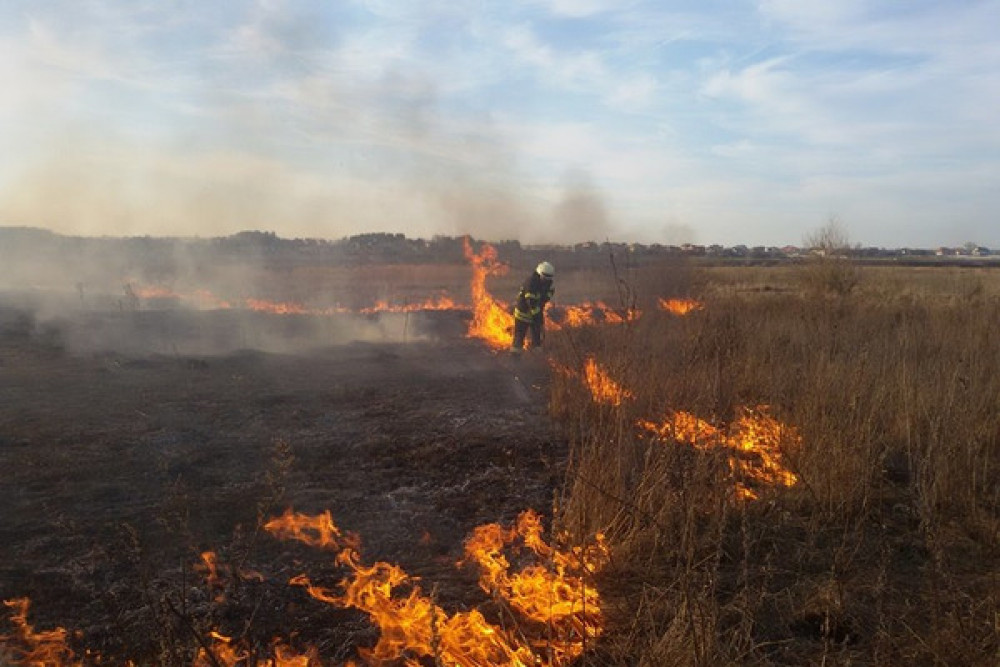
535, 293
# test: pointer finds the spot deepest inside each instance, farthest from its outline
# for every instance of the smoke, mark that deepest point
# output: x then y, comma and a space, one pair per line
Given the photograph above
286, 123
677, 234
145, 295
123, 189
203, 333
581, 214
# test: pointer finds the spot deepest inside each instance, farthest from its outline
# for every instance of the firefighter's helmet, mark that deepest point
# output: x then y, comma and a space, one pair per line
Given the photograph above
546, 270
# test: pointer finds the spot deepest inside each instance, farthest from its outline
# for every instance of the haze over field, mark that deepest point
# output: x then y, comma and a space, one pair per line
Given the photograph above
542, 120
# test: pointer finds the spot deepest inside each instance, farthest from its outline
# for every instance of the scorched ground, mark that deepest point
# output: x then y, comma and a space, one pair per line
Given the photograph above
121, 469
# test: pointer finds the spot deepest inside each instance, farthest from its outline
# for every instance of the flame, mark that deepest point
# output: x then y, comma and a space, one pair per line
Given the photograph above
153, 292
209, 568
765, 439
554, 597
685, 427
756, 443
224, 652
275, 307
28, 647
316, 531
440, 303
492, 320
205, 300
592, 313
284, 656
602, 388
680, 306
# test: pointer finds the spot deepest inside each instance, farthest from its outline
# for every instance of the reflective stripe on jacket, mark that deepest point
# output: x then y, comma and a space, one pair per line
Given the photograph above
531, 300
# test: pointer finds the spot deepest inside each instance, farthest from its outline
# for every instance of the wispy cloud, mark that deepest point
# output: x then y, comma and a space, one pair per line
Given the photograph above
738, 121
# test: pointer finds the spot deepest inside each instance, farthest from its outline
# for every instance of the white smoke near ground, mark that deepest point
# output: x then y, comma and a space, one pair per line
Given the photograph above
202, 333
89, 323
192, 296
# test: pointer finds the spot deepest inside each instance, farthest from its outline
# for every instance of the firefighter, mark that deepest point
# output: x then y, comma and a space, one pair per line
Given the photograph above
529, 311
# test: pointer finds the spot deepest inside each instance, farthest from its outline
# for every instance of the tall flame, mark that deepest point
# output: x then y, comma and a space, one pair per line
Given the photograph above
602, 388
492, 320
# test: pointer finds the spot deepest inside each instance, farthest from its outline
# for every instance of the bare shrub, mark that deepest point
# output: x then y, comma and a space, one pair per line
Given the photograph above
830, 268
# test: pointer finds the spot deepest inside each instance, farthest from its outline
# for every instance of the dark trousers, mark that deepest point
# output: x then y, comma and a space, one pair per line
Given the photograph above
521, 329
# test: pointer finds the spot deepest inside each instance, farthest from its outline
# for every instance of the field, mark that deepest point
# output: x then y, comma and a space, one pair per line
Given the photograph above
801, 468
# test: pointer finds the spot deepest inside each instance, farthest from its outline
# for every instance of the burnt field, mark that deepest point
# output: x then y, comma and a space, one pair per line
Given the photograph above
126, 457
733, 465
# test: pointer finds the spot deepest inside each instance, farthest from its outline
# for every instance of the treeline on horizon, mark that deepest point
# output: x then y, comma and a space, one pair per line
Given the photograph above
266, 248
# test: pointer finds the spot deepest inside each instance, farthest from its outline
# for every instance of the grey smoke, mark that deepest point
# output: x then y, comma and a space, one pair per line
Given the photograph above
581, 214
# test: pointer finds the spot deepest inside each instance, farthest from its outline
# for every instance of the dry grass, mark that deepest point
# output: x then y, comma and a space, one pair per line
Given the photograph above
885, 552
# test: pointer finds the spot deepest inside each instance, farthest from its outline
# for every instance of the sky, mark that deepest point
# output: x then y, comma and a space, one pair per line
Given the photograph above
547, 121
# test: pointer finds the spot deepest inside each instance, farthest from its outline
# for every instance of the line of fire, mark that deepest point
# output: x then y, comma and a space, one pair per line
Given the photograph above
547, 608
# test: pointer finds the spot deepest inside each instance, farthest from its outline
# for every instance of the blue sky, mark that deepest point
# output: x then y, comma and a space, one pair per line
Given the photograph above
543, 120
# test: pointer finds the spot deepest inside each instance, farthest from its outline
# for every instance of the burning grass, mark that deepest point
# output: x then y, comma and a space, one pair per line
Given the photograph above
555, 611
865, 523
854, 520
755, 444
602, 388
27, 646
492, 320
679, 306
548, 609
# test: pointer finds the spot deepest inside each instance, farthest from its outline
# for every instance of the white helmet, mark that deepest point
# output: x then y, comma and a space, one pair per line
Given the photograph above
546, 270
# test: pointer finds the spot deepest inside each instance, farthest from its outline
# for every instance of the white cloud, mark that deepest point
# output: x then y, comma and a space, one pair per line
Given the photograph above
581, 71
917, 27
579, 8
635, 92
728, 120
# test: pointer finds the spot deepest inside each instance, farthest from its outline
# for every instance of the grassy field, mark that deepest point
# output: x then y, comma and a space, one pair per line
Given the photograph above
884, 548
802, 469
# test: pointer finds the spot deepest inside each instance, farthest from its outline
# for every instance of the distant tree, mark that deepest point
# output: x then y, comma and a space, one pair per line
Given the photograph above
831, 268
830, 240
